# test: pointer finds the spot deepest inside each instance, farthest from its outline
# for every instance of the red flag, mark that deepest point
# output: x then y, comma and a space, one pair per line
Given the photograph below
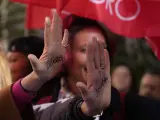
153, 39
131, 18
60, 4
154, 43
35, 16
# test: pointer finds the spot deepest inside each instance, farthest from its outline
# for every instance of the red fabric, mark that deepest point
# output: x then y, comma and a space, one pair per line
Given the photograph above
132, 22
60, 4
45, 100
132, 18
154, 43
35, 16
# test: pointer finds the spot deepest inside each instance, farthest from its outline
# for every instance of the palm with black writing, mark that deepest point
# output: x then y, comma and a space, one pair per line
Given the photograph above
97, 93
52, 57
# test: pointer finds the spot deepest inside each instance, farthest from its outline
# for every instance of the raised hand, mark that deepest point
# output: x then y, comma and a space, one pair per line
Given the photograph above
52, 58
97, 93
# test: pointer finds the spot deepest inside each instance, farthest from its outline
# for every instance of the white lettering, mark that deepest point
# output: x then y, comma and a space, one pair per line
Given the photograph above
129, 18
109, 6
117, 12
98, 1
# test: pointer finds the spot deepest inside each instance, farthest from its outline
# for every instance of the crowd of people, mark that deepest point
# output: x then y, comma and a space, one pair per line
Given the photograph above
67, 76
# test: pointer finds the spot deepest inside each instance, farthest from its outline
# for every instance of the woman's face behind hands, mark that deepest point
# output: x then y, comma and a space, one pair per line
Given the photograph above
77, 52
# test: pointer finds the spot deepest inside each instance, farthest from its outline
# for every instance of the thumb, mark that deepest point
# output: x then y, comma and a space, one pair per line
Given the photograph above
83, 89
34, 61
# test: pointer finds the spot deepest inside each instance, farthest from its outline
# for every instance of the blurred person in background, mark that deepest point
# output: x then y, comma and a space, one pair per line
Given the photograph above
18, 50
5, 75
122, 77
150, 84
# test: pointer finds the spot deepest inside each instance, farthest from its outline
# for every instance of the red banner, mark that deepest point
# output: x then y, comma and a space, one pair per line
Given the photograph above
35, 16
154, 43
131, 18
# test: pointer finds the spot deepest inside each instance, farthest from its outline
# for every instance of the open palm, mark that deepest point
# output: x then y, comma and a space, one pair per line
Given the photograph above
54, 51
97, 93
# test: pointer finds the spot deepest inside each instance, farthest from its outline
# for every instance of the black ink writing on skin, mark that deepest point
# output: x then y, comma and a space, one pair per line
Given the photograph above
101, 86
53, 61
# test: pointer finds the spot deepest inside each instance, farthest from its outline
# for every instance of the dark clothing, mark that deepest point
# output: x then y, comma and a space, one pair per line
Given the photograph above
122, 107
132, 107
141, 108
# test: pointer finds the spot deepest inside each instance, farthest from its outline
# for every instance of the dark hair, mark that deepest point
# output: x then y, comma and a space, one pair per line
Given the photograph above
79, 23
123, 64
133, 88
27, 45
152, 71
75, 24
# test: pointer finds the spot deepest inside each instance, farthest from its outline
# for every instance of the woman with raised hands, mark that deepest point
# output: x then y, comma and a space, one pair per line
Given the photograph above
96, 77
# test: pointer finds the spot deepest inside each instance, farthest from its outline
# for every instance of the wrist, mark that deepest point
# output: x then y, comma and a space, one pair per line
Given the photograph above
31, 93
84, 109
87, 112
75, 110
31, 82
